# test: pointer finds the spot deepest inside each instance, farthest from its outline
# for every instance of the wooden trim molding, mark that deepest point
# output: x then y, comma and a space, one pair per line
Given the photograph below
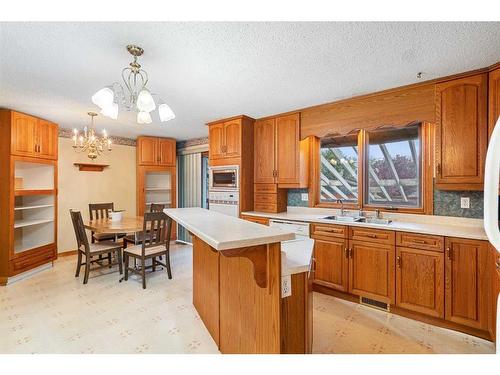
90, 167
67, 253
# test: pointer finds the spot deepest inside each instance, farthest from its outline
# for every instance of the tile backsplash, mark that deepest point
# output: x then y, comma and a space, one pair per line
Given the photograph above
446, 203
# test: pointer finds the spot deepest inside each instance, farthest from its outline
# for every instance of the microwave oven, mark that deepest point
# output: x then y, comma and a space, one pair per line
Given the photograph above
224, 177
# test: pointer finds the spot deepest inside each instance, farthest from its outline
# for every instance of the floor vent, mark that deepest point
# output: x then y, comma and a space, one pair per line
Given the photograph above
374, 303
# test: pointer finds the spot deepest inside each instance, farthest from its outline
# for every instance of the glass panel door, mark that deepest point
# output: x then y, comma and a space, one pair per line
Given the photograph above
157, 188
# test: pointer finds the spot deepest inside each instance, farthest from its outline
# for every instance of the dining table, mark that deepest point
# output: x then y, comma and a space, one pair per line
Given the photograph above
127, 225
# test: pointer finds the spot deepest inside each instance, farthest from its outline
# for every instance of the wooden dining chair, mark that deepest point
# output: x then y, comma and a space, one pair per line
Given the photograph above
100, 211
136, 238
156, 233
90, 250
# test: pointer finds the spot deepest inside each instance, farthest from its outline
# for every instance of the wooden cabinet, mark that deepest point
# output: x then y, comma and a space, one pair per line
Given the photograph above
33, 137
461, 132
371, 270
465, 275
156, 151
225, 139
420, 281
494, 267
256, 219
280, 156
332, 263
493, 98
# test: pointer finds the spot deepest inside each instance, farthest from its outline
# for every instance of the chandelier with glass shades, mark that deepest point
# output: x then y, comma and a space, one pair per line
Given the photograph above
89, 142
132, 95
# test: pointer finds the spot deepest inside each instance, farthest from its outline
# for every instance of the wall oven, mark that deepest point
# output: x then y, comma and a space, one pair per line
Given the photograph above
224, 178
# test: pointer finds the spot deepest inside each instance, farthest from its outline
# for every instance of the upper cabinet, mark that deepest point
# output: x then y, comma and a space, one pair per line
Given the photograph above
494, 98
156, 151
461, 132
33, 137
225, 139
280, 156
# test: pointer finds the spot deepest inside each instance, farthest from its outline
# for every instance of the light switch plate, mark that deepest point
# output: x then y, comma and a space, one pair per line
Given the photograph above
304, 197
465, 202
286, 286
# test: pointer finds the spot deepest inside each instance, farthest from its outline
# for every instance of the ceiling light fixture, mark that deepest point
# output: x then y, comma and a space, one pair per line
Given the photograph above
89, 142
132, 95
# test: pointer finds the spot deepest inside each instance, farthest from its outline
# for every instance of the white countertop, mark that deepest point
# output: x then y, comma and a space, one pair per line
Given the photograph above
223, 232
296, 256
423, 224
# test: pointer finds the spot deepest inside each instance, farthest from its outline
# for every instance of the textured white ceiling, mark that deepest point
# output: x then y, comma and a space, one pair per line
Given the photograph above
207, 71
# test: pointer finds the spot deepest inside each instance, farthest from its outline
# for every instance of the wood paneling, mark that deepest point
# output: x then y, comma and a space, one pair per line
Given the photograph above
465, 273
287, 149
147, 151
265, 161
461, 133
493, 98
332, 263
250, 315
368, 234
392, 107
206, 286
266, 188
420, 281
494, 281
216, 141
371, 270
296, 317
420, 241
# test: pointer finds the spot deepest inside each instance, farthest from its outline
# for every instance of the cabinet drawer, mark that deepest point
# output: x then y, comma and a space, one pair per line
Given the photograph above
30, 261
256, 219
265, 207
420, 241
372, 235
265, 188
266, 198
329, 230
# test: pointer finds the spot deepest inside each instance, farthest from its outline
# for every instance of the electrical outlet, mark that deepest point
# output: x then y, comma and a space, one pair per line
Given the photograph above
304, 197
465, 202
286, 286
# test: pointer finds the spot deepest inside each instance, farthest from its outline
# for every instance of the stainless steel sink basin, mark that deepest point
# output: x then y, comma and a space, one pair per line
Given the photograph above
349, 219
374, 220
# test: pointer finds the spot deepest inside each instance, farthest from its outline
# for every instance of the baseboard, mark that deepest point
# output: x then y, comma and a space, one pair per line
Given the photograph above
409, 314
67, 253
3, 280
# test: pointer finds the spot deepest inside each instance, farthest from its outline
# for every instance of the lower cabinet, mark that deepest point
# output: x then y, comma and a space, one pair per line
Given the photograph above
371, 270
332, 263
466, 294
420, 281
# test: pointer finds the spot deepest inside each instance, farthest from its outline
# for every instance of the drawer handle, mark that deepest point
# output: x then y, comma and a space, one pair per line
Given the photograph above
371, 235
419, 241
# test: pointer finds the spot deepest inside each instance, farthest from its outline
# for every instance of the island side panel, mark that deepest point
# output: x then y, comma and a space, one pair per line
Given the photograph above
206, 285
249, 314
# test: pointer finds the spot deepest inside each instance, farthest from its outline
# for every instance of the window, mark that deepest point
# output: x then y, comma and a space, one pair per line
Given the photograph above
339, 169
371, 169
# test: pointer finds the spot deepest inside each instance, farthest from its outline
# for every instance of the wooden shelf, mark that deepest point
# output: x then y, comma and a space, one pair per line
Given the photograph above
33, 207
34, 192
90, 167
29, 222
157, 189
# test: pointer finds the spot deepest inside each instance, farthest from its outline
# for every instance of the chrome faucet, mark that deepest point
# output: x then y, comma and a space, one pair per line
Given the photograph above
377, 214
341, 206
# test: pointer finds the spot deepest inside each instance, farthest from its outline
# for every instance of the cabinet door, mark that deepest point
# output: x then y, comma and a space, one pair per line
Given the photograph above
461, 132
420, 281
264, 151
46, 139
332, 263
495, 290
147, 151
465, 272
494, 98
232, 139
23, 134
166, 152
371, 270
216, 141
288, 149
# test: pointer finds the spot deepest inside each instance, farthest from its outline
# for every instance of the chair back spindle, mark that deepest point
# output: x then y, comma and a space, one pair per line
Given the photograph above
100, 210
157, 229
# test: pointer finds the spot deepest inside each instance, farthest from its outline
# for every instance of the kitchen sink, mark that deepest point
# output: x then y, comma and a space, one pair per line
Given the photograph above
375, 220
349, 219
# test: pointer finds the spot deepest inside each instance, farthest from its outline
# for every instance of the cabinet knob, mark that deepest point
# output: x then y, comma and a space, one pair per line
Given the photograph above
438, 169
398, 261
448, 253
346, 252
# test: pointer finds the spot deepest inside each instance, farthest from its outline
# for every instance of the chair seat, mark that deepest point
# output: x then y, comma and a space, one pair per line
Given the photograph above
103, 236
150, 251
103, 246
136, 238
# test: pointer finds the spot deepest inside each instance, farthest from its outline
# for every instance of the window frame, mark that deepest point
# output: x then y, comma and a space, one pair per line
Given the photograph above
426, 132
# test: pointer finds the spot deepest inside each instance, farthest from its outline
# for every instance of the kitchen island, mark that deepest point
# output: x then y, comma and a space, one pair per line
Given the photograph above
237, 271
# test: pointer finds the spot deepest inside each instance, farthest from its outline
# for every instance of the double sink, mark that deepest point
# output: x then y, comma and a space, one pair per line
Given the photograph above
358, 219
